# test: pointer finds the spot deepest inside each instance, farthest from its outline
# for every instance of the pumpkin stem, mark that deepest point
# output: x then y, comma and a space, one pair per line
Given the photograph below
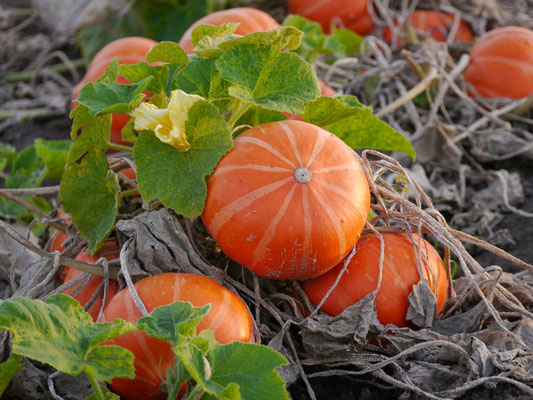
302, 175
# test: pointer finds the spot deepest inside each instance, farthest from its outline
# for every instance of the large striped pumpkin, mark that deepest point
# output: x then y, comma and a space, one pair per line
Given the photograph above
288, 202
501, 63
229, 318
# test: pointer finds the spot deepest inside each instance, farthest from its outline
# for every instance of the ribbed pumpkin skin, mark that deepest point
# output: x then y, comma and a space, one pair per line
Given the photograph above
353, 14
229, 318
435, 24
129, 50
501, 63
110, 250
279, 228
249, 20
399, 275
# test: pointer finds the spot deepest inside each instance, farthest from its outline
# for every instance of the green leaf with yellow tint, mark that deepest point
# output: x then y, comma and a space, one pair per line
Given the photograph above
254, 71
138, 72
355, 125
167, 52
59, 333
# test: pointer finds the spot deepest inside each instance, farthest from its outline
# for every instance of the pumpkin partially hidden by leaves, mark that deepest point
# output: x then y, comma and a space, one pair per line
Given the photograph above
229, 318
399, 275
249, 19
501, 63
353, 15
129, 50
434, 24
288, 202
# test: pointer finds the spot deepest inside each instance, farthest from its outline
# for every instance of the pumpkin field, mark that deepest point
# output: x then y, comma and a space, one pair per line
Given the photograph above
266, 199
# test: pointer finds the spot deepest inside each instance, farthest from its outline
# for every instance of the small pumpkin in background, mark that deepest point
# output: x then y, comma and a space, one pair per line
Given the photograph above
501, 63
353, 15
129, 50
110, 250
399, 275
288, 202
434, 24
229, 318
249, 19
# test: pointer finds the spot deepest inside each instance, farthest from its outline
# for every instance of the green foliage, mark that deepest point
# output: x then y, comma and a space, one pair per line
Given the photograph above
234, 371
9, 369
178, 178
156, 19
168, 52
59, 333
111, 97
28, 168
170, 322
90, 193
138, 72
250, 367
316, 44
254, 70
355, 124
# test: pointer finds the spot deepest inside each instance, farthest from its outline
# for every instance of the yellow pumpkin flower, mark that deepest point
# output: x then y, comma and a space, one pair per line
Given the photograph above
167, 123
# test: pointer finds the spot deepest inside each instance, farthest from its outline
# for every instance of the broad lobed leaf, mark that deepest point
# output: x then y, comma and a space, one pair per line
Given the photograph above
355, 125
254, 71
178, 178
171, 322
59, 333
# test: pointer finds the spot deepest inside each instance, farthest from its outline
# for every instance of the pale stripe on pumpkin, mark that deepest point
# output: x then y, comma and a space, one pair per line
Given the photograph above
237, 205
320, 142
290, 135
335, 168
267, 147
271, 229
252, 167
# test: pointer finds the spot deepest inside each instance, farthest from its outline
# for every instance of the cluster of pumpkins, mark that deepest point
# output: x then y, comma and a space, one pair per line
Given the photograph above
291, 199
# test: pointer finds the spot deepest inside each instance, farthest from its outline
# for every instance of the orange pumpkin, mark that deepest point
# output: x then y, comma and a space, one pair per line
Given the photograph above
501, 63
229, 318
110, 250
249, 20
400, 273
352, 14
434, 24
129, 50
288, 202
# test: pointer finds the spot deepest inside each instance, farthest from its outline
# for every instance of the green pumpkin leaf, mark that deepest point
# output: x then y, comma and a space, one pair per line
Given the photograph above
250, 366
207, 38
108, 395
7, 155
90, 193
103, 97
178, 178
127, 132
9, 369
201, 77
27, 161
79, 116
59, 333
212, 31
355, 125
54, 154
172, 321
167, 52
111, 72
284, 37
94, 137
257, 115
315, 43
138, 72
254, 71
231, 392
